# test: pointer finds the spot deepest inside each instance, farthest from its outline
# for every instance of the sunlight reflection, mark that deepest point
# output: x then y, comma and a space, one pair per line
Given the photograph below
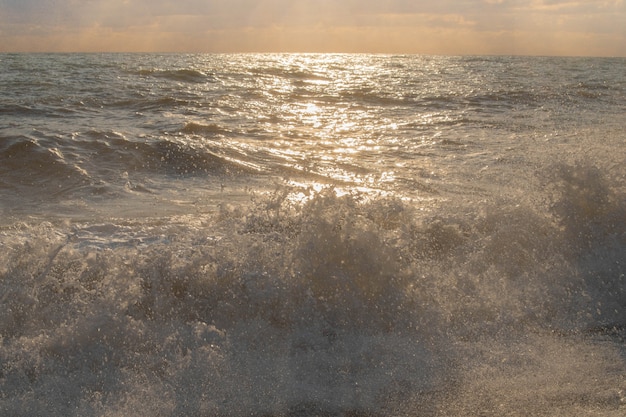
311, 108
321, 117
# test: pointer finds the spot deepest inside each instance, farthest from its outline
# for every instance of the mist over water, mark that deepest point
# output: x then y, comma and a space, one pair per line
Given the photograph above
312, 235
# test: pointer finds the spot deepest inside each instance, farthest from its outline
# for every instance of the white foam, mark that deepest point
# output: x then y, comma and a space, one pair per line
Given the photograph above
333, 305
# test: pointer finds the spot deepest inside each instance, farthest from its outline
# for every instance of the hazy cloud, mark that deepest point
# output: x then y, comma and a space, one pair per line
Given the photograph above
414, 26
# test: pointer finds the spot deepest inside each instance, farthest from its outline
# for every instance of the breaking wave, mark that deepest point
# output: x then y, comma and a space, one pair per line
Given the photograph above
311, 303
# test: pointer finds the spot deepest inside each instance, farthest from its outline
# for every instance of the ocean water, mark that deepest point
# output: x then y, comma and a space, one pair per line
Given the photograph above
312, 235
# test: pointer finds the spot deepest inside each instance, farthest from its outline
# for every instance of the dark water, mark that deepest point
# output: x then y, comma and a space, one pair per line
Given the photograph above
312, 235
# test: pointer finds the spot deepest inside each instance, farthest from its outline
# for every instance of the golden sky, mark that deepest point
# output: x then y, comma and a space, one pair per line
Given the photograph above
459, 27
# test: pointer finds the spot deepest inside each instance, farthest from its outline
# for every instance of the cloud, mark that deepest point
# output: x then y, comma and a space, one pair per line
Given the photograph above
412, 26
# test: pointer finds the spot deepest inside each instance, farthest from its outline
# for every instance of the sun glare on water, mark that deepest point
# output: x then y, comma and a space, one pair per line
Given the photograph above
324, 132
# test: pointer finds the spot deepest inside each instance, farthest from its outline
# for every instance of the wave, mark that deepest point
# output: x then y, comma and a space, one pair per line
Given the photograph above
323, 305
183, 75
96, 163
19, 110
27, 162
298, 76
212, 130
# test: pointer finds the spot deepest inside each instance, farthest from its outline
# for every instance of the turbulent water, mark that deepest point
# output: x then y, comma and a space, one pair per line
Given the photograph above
312, 235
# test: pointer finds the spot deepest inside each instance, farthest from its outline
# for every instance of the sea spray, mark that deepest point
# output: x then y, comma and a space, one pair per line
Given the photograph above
327, 306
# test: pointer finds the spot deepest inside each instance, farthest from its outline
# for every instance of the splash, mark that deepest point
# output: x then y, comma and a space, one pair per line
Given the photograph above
334, 305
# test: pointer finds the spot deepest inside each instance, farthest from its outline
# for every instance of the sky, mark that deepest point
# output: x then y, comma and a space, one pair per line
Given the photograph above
446, 27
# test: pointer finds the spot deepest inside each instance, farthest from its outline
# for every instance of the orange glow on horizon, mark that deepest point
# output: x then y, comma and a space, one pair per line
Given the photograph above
538, 28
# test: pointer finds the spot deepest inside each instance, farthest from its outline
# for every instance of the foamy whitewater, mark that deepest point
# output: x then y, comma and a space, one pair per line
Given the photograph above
312, 235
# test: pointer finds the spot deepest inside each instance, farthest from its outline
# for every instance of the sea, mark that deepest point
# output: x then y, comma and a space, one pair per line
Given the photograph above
297, 235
